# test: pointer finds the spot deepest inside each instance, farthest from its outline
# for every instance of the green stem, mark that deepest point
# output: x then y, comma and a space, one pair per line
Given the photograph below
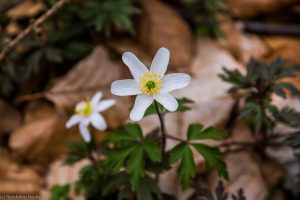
162, 127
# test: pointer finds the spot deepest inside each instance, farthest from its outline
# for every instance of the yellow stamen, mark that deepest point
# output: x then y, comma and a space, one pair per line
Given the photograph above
84, 108
150, 83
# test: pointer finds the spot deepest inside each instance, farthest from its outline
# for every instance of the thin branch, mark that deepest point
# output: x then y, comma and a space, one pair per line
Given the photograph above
12, 44
270, 29
175, 138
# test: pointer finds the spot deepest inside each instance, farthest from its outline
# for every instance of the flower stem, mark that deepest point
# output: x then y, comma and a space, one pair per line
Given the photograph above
162, 127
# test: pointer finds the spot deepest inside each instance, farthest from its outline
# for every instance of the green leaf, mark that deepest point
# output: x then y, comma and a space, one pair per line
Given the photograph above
77, 150
117, 157
196, 132
120, 137
183, 104
289, 87
146, 188
177, 152
134, 130
60, 192
136, 167
213, 159
153, 151
187, 168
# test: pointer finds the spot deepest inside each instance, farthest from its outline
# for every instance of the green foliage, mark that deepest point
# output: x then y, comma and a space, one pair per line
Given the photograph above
63, 40
60, 192
220, 193
91, 181
212, 156
128, 157
203, 15
130, 151
197, 132
256, 87
183, 106
77, 150
293, 140
105, 15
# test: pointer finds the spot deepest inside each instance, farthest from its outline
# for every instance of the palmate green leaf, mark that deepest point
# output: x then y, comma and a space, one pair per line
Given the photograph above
182, 107
136, 166
60, 192
187, 168
196, 132
117, 158
177, 152
131, 132
77, 150
130, 151
146, 188
213, 159
152, 150
134, 130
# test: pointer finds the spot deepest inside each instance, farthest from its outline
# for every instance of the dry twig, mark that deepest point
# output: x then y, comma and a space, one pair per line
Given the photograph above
12, 44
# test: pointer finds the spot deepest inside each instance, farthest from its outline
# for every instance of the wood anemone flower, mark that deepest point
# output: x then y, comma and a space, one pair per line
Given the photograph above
88, 112
150, 85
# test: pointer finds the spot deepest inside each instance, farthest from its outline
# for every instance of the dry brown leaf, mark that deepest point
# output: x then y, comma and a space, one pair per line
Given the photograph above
26, 9
16, 179
60, 174
41, 138
161, 26
250, 8
10, 117
285, 47
242, 46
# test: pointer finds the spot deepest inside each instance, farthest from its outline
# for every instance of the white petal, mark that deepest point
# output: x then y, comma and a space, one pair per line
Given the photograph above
174, 81
75, 119
136, 67
142, 102
105, 104
160, 62
87, 120
98, 122
96, 98
84, 132
168, 101
125, 87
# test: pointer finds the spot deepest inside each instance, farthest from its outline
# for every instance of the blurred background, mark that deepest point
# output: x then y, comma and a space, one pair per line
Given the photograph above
56, 53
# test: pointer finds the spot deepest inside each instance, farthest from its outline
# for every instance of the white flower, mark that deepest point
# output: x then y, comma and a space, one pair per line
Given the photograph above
87, 112
150, 85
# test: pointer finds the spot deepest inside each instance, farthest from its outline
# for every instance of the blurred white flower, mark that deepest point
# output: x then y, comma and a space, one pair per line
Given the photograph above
87, 112
150, 85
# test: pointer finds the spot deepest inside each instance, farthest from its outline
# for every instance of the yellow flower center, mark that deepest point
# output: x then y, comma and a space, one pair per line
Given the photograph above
150, 83
84, 108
